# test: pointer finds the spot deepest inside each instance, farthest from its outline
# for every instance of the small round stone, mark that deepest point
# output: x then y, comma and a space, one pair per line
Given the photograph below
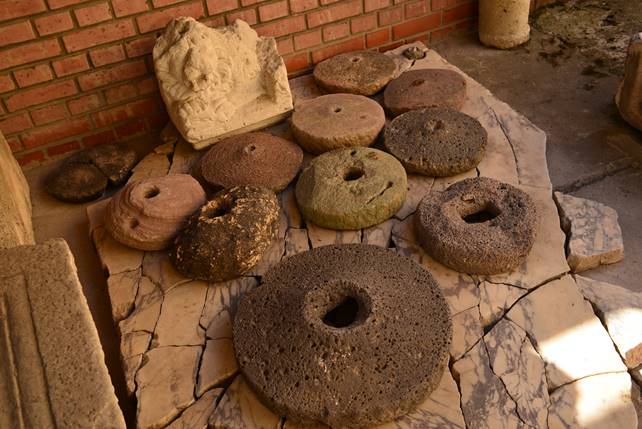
253, 159
362, 73
418, 89
345, 335
336, 121
147, 214
228, 236
436, 142
351, 188
477, 226
76, 183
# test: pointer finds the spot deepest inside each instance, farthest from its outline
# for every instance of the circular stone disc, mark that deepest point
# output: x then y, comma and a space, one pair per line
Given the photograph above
362, 73
477, 226
115, 161
76, 183
351, 188
436, 142
253, 159
348, 335
337, 120
417, 89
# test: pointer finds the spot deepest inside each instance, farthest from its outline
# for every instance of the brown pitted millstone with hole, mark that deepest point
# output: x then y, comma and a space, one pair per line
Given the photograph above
477, 226
361, 73
437, 142
418, 89
351, 188
252, 159
228, 236
336, 121
147, 214
346, 335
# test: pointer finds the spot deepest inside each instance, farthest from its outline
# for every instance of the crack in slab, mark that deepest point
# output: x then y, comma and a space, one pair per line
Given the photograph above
611, 169
502, 126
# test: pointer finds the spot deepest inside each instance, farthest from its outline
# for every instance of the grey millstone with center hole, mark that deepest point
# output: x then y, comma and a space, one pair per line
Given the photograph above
228, 236
418, 89
337, 120
436, 142
362, 73
351, 188
477, 226
346, 335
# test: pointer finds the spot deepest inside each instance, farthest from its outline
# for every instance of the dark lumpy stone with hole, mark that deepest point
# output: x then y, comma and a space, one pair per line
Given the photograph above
418, 89
346, 335
252, 159
362, 73
477, 226
436, 142
85, 175
228, 236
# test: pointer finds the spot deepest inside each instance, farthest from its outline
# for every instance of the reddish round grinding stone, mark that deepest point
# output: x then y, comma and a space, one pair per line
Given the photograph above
253, 159
347, 335
362, 73
418, 89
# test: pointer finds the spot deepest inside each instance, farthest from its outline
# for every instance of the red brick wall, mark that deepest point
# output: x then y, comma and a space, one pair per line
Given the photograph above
76, 73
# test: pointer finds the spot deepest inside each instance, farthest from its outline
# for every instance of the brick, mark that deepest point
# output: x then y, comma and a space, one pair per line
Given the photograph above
327, 2
440, 34
284, 46
63, 148
336, 31
130, 128
54, 23
250, 2
29, 158
33, 75
307, 40
162, 3
354, 44
15, 33
378, 38
40, 95
102, 137
436, 5
131, 110
128, 7
29, 53
93, 14
282, 27
147, 86
57, 4
297, 6
460, 12
6, 84
10, 9
15, 124
334, 13
52, 133
214, 7
158, 122
416, 26
159, 19
84, 104
45, 115
297, 62
273, 11
370, 5
216, 21
140, 46
14, 144
417, 8
103, 56
247, 15
121, 93
115, 74
363, 23
391, 16
71, 65
98, 35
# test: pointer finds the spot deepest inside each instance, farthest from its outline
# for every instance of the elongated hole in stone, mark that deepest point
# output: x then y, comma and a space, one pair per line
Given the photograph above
342, 315
356, 59
337, 109
417, 82
220, 210
133, 224
152, 192
484, 214
353, 173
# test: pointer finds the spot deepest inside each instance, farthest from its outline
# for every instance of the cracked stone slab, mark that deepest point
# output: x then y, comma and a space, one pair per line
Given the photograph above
218, 365
598, 402
122, 289
621, 311
495, 299
158, 268
220, 306
467, 330
178, 323
185, 156
296, 241
418, 187
96, 214
289, 205
441, 183
152, 165
378, 235
568, 336
132, 347
325, 237
115, 257
196, 415
594, 234
53, 367
165, 384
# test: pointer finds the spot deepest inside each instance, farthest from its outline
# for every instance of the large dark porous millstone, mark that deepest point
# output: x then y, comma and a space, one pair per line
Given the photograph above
252, 159
477, 226
362, 73
347, 335
437, 142
228, 236
418, 89
351, 188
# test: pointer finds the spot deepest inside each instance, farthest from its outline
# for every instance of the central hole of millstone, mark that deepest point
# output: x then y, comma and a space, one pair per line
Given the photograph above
417, 82
342, 315
337, 109
434, 125
355, 59
353, 173
484, 214
221, 209
152, 192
